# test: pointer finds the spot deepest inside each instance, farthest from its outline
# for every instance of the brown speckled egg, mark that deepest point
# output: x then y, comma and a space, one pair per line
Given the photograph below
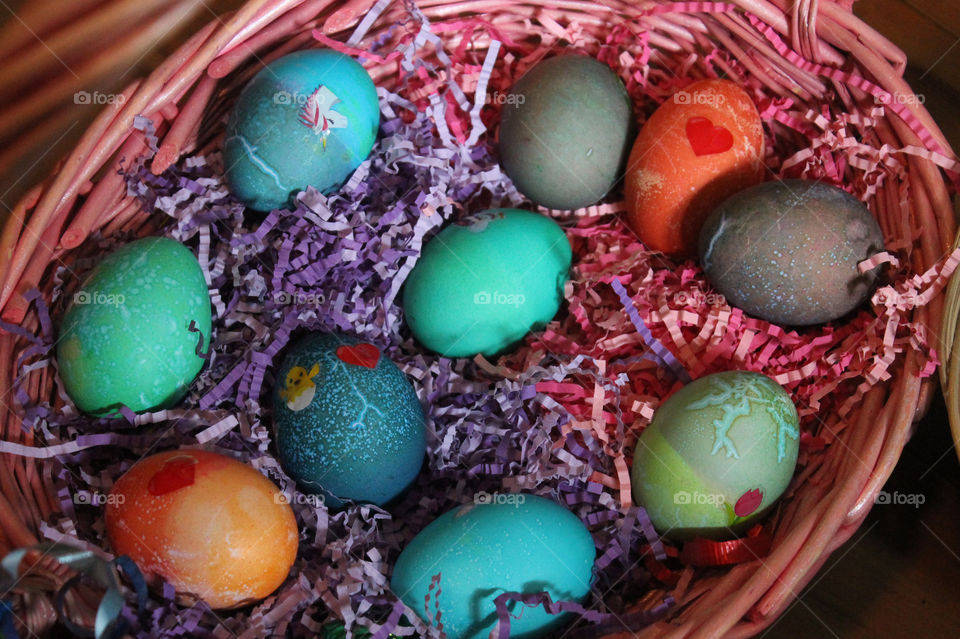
787, 252
211, 526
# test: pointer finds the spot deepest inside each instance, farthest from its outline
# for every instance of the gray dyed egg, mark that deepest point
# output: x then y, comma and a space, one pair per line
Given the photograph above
566, 131
787, 252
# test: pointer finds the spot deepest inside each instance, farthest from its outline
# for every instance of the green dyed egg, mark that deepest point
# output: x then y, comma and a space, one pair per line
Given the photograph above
567, 128
126, 338
718, 453
482, 285
508, 543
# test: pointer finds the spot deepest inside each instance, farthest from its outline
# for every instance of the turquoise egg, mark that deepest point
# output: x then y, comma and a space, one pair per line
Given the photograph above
307, 119
126, 338
348, 424
509, 543
483, 284
719, 452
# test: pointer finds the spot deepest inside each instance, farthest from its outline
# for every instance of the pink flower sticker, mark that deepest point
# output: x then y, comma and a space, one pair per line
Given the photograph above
748, 503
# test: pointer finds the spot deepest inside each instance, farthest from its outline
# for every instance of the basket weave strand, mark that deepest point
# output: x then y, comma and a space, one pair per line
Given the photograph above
807, 51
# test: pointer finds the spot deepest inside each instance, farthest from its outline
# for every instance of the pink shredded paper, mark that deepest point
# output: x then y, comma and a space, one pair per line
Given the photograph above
560, 415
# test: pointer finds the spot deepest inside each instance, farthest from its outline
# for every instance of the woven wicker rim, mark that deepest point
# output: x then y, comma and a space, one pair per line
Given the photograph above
192, 87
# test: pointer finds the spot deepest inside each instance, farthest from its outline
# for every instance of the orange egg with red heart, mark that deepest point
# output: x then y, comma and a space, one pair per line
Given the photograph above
211, 526
699, 147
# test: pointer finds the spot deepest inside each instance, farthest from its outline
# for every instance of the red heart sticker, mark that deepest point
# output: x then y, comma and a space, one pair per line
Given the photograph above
177, 473
359, 355
706, 138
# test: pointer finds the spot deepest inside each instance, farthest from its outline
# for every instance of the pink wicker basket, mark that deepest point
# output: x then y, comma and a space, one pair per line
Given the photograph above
813, 53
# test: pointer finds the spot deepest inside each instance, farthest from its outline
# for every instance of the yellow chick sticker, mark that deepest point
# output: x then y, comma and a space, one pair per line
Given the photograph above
299, 389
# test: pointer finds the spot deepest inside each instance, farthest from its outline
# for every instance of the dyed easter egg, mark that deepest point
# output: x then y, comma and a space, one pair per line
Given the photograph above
307, 119
700, 146
566, 130
511, 543
348, 424
717, 454
481, 285
132, 333
211, 526
787, 252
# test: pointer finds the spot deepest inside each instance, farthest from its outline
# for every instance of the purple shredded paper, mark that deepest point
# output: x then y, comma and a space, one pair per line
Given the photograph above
337, 263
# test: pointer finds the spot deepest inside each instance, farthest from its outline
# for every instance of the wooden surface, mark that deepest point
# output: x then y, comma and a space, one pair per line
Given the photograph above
899, 576
927, 30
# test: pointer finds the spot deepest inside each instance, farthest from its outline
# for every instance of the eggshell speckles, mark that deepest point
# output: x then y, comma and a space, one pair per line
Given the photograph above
566, 131
700, 146
216, 529
126, 336
787, 252
348, 424
516, 543
718, 453
308, 118
482, 285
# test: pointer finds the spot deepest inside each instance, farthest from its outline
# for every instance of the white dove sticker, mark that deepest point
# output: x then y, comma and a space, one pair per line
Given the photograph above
318, 113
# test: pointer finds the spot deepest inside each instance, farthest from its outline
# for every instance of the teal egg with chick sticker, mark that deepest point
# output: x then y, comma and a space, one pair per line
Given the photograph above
482, 284
137, 329
306, 119
501, 543
348, 425
718, 453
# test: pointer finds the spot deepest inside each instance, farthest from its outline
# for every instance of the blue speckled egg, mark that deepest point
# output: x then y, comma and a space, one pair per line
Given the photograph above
508, 543
126, 338
348, 424
307, 119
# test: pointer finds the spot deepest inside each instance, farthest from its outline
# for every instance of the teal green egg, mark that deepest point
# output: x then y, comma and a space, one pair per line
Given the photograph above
307, 119
508, 543
347, 422
483, 284
719, 452
567, 128
126, 338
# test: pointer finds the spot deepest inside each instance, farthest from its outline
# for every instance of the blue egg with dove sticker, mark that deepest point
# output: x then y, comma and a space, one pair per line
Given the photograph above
348, 424
306, 119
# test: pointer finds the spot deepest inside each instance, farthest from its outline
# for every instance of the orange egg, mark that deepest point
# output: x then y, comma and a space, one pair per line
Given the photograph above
213, 527
698, 148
